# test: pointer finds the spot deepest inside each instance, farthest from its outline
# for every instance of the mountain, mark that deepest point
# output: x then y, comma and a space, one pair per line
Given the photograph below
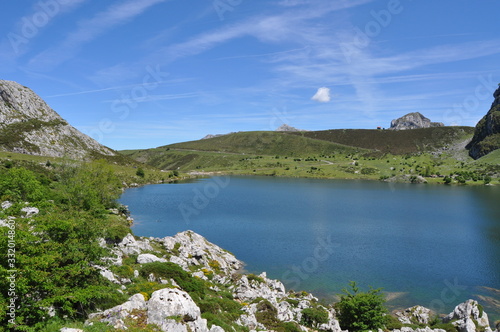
413, 121
285, 127
28, 125
487, 135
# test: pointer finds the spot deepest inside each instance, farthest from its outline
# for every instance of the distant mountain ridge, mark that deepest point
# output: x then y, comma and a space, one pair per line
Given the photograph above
413, 120
28, 125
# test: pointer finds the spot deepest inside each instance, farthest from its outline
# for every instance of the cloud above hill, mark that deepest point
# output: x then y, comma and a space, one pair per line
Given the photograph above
322, 95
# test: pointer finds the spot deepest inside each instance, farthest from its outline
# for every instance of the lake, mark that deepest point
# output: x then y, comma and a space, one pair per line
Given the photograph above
432, 245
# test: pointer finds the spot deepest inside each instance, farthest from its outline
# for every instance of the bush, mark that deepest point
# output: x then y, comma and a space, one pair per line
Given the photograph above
195, 287
393, 323
140, 172
361, 311
20, 184
313, 317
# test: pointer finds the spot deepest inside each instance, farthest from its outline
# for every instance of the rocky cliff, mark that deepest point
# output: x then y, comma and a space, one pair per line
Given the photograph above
413, 121
28, 125
487, 135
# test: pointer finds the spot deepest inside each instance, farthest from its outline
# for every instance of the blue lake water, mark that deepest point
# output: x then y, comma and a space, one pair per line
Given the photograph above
423, 244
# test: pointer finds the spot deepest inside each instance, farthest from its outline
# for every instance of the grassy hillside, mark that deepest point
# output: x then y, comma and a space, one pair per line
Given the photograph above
265, 143
391, 141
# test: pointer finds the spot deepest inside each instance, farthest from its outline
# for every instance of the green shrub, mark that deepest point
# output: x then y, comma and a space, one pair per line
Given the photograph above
146, 287
253, 277
361, 311
313, 317
140, 172
448, 327
195, 287
392, 323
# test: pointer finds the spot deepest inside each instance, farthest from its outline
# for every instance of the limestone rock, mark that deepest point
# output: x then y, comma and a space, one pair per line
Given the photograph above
116, 315
268, 289
285, 127
131, 246
167, 303
413, 121
69, 329
487, 134
414, 315
190, 249
465, 314
29, 212
6, 205
149, 258
32, 127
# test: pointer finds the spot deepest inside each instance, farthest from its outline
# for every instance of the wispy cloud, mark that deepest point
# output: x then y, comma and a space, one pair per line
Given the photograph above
120, 87
88, 30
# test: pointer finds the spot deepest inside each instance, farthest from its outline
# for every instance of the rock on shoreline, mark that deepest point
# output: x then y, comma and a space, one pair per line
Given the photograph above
173, 308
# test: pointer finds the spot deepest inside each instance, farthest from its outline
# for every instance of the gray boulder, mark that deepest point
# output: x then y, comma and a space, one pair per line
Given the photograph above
414, 315
116, 315
149, 258
131, 246
190, 249
167, 303
466, 314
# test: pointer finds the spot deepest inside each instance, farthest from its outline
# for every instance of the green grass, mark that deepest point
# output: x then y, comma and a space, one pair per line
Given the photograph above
392, 141
262, 142
374, 154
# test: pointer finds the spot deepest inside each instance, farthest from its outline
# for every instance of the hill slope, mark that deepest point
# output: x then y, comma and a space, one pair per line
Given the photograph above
28, 125
265, 143
230, 150
394, 141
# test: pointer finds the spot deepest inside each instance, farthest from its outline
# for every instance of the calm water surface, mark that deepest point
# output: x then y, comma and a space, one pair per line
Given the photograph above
423, 244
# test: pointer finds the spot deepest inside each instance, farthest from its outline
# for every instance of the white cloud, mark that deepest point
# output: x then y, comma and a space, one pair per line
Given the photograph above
322, 95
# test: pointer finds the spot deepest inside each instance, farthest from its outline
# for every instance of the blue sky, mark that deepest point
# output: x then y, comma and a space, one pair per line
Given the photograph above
144, 73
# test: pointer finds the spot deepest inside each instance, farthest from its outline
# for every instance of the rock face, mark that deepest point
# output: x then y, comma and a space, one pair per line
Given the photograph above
466, 315
413, 121
487, 135
28, 125
414, 315
192, 249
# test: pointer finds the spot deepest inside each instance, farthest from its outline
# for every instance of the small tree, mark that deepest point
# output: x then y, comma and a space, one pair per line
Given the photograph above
361, 311
140, 172
487, 179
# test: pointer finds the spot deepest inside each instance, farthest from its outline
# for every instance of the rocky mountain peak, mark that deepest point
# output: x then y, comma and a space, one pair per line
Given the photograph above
487, 135
28, 125
413, 120
285, 127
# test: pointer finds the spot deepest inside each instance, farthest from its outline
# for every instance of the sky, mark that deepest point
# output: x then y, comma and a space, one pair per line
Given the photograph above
137, 74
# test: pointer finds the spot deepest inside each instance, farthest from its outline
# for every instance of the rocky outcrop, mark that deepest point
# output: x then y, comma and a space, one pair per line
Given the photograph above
28, 125
175, 310
285, 127
466, 315
115, 316
487, 134
414, 315
172, 308
413, 121
191, 249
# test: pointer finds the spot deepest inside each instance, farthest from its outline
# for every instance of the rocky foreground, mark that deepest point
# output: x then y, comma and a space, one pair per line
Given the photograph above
172, 309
